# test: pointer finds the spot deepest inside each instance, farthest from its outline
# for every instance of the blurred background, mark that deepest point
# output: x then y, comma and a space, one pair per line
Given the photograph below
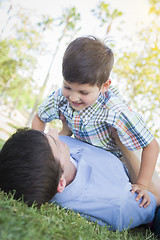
35, 33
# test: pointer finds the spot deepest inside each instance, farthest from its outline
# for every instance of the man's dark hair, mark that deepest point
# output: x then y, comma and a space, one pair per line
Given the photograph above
87, 61
28, 167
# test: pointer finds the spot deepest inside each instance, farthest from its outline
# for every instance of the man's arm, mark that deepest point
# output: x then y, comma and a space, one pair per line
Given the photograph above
65, 129
37, 124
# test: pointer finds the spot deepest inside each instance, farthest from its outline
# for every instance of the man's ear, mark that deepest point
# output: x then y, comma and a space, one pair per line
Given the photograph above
105, 86
61, 184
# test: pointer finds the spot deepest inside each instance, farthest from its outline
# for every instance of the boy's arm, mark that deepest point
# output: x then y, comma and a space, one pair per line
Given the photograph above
37, 124
133, 165
148, 163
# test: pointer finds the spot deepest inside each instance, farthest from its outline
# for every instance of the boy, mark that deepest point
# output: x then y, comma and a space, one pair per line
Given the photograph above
91, 106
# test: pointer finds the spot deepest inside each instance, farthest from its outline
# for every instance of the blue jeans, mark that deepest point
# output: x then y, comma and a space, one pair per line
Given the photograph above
156, 224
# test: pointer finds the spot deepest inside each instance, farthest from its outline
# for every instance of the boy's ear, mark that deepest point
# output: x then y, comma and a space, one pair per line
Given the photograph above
105, 86
61, 184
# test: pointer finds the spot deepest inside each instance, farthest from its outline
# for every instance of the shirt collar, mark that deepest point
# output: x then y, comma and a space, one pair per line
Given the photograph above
70, 110
87, 113
73, 161
81, 180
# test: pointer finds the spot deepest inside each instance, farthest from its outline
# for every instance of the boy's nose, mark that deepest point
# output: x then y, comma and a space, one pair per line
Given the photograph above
74, 97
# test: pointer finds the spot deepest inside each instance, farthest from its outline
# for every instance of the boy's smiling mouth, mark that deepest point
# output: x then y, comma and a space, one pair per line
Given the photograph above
76, 104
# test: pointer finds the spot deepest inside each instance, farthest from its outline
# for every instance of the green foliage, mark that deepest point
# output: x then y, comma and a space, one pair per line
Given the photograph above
68, 22
106, 15
8, 65
18, 53
138, 71
70, 17
17, 222
1, 143
155, 7
17, 57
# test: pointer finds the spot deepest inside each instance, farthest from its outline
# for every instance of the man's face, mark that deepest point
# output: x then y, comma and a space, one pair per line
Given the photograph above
60, 149
80, 96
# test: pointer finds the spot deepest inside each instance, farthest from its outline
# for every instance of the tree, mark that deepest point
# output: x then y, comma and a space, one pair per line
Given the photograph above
138, 71
18, 49
68, 22
8, 66
106, 15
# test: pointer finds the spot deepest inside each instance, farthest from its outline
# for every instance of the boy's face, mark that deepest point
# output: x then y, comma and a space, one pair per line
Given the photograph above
80, 96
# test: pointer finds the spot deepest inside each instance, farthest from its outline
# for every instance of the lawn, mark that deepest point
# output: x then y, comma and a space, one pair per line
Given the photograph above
1, 143
20, 222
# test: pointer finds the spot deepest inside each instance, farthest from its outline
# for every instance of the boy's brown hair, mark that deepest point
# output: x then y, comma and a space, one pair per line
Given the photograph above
87, 61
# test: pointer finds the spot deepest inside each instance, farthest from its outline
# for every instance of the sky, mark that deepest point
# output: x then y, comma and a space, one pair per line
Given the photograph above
134, 13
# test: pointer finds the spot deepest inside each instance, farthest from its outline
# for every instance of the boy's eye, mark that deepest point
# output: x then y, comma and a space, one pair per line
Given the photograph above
84, 93
66, 87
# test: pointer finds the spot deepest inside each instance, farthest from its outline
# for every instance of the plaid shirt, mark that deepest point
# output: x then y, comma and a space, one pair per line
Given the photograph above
92, 124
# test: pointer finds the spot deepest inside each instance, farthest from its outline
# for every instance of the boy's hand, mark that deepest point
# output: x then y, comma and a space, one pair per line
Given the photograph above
142, 193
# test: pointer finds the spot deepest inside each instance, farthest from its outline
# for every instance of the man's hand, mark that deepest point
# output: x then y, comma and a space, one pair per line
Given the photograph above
142, 193
114, 135
65, 129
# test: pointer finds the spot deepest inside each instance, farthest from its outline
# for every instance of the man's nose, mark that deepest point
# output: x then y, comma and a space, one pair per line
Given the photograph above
74, 97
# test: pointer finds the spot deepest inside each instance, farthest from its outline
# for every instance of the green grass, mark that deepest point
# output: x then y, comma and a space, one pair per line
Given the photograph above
1, 143
20, 222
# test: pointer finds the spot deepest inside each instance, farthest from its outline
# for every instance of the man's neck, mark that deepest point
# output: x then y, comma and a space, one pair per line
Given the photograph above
71, 173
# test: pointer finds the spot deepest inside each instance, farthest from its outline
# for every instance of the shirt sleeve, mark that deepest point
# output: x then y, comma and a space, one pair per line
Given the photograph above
49, 109
133, 131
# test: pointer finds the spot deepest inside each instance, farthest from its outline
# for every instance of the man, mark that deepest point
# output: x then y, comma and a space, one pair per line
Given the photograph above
38, 165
